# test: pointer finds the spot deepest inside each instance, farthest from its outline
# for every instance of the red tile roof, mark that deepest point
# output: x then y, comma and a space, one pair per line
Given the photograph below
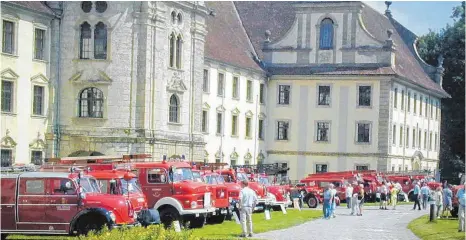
226, 40
33, 5
278, 17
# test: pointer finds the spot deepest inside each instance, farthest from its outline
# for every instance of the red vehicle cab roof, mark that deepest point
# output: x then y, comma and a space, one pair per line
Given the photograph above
41, 175
165, 164
110, 174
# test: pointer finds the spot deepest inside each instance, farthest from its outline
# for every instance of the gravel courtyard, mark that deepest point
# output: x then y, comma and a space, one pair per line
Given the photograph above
374, 224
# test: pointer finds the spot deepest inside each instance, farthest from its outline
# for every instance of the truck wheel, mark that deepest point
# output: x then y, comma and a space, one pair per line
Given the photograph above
197, 222
454, 212
312, 202
89, 223
217, 219
277, 208
168, 215
4, 236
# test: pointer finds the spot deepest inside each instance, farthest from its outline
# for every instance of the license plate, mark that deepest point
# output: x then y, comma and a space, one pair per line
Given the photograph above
207, 199
197, 214
214, 213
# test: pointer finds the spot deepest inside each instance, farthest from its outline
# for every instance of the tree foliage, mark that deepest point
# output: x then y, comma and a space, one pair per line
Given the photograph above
450, 43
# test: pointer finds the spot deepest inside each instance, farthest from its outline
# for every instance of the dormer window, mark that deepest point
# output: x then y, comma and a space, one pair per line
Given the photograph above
326, 34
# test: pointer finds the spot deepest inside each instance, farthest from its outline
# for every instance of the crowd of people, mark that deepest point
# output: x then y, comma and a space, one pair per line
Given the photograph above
387, 195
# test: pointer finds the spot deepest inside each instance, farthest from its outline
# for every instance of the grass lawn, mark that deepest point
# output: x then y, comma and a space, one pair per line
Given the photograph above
440, 229
231, 230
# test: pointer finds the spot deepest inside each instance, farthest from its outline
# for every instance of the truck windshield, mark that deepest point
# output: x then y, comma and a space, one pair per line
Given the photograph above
197, 177
132, 185
264, 181
182, 174
210, 179
220, 179
241, 176
89, 184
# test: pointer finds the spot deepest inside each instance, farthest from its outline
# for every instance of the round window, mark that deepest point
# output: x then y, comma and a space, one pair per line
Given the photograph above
86, 6
100, 7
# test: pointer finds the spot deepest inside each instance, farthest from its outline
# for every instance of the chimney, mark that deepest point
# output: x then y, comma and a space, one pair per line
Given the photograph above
388, 13
438, 75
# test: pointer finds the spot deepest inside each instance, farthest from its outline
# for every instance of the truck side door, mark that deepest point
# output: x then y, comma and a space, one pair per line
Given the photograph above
156, 185
8, 203
62, 203
31, 204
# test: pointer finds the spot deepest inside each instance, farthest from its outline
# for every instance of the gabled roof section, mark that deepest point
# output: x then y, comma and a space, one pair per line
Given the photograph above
226, 40
37, 6
407, 63
260, 16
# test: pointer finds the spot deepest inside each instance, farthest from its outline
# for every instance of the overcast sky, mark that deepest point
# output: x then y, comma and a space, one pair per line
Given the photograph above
419, 16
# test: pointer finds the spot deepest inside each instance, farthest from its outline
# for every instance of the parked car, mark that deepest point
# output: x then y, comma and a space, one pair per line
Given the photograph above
59, 203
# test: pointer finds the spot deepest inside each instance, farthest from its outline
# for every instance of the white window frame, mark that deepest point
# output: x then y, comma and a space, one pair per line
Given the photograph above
318, 95
356, 133
15, 21
289, 95
371, 95
288, 133
329, 133
206, 87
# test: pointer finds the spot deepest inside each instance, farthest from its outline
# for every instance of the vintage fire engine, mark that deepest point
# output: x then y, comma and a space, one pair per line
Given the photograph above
59, 203
219, 193
236, 176
169, 188
110, 180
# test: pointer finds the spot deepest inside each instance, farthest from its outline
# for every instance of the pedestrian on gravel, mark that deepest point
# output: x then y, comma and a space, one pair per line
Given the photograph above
383, 196
425, 192
361, 199
247, 202
354, 200
438, 197
416, 196
394, 197
327, 199
348, 195
447, 196
333, 203
461, 195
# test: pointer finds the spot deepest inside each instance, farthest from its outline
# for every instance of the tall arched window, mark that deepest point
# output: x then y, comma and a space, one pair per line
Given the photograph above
85, 41
326, 34
90, 103
179, 48
174, 109
172, 50
100, 41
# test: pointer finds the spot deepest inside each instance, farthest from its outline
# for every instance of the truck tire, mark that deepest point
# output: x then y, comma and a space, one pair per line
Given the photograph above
217, 219
4, 236
454, 212
411, 196
168, 215
90, 222
198, 222
312, 202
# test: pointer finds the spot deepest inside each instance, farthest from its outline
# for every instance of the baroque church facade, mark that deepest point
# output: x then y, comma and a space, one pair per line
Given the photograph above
320, 86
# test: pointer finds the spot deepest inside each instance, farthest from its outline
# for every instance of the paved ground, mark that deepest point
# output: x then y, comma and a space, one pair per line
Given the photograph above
374, 224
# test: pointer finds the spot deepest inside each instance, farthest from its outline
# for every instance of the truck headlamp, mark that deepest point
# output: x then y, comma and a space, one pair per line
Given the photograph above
193, 204
112, 216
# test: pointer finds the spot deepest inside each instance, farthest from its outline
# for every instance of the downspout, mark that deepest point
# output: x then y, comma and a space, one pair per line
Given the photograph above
255, 129
128, 131
191, 92
405, 128
56, 127
152, 89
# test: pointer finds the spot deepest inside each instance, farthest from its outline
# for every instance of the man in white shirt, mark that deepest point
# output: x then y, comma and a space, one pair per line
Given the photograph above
348, 195
247, 202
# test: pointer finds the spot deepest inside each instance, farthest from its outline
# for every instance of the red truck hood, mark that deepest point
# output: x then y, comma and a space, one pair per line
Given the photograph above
192, 187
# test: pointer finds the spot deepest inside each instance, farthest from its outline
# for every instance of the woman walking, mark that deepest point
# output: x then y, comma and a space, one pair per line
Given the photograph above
383, 196
394, 197
438, 196
361, 199
447, 195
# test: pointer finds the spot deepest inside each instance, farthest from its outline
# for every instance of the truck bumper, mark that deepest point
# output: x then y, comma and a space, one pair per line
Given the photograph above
136, 224
197, 212
278, 203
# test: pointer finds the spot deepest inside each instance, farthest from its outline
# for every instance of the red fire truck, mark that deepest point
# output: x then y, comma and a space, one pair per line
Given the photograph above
59, 203
236, 176
219, 195
169, 188
110, 180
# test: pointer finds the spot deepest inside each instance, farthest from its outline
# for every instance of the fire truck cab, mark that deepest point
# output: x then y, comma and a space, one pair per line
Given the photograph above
169, 188
59, 203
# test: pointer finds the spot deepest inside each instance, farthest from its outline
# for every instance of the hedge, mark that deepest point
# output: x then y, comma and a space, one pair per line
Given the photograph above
154, 232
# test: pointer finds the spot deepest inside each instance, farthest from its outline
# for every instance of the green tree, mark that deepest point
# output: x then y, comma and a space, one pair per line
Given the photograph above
450, 43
